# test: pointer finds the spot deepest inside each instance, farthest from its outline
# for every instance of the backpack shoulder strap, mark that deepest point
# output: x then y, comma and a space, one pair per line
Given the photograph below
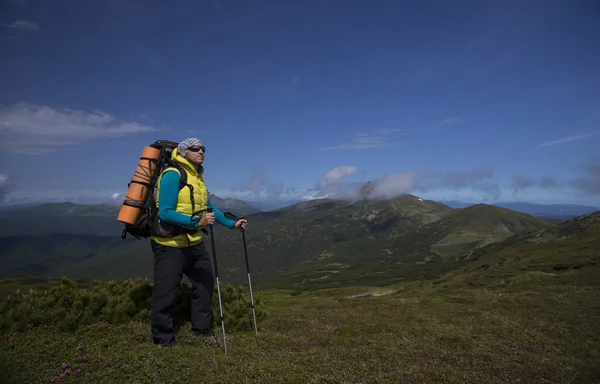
182, 175
181, 171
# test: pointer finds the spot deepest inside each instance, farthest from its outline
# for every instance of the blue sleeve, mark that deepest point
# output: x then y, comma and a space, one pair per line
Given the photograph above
220, 217
167, 201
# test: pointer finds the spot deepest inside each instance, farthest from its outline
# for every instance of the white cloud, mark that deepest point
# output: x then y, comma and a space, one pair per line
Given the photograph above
386, 186
5, 186
389, 186
377, 139
23, 24
415, 181
389, 131
448, 121
568, 139
383, 137
38, 130
329, 183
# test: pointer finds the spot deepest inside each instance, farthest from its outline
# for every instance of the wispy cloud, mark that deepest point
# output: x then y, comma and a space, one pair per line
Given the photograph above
413, 181
23, 24
381, 138
480, 180
329, 182
587, 183
258, 186
50, 128
440, 124
447, 122
376, 139
335, 184
521, 183
6, 186
568, 139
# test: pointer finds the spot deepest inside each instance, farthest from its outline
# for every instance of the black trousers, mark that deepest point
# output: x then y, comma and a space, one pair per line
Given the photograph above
169, 266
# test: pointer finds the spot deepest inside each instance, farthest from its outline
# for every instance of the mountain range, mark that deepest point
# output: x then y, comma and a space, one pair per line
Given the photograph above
548, 211
305, 245
555, 212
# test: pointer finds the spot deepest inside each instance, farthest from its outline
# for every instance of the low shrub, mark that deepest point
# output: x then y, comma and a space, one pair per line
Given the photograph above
67, 308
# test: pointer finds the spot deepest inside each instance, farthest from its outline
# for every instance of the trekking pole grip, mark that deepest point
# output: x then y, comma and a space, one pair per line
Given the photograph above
231, 216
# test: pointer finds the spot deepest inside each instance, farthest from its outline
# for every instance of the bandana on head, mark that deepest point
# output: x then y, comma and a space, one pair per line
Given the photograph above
186, 144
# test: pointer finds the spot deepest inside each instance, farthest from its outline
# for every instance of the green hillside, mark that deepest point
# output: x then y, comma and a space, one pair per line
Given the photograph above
77, 219
465, 230
524, 310
38, 254
409, 251
54, 239
321, 243
567, 252
278, 239
66, 218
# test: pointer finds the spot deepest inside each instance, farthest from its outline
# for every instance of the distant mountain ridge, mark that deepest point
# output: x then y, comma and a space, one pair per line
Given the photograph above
557, 211
570, 210
97, 219
306, 244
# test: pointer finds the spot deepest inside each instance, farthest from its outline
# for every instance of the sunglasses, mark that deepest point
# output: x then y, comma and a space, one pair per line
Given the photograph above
196, 148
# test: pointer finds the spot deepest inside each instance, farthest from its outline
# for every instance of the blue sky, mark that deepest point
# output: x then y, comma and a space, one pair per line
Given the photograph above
469, 100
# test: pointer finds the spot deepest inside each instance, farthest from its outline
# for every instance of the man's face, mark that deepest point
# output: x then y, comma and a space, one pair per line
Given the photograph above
195, 154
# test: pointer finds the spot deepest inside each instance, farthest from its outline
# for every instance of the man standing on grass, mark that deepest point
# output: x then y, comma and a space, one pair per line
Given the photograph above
184, 253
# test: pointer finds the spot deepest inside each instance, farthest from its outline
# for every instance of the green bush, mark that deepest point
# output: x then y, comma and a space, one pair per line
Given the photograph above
67, 308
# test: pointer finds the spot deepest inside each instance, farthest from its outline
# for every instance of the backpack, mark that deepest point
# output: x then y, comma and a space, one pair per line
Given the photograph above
148, 222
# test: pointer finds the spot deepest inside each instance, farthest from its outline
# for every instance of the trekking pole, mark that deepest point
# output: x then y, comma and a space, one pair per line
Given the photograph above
212, 241
231, 216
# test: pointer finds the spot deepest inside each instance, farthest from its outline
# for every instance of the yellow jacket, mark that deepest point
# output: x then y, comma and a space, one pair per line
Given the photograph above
184, 205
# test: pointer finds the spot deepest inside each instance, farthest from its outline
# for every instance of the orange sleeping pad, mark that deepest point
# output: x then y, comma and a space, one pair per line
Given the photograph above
140, 186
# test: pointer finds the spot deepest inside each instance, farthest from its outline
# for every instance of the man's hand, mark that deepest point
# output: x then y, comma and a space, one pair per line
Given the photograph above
241, 223
207, 219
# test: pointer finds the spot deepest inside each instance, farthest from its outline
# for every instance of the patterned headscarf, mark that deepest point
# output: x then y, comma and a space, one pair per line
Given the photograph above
186, 144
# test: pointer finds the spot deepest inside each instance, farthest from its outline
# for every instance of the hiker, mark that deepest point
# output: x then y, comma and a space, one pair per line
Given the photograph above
185, 253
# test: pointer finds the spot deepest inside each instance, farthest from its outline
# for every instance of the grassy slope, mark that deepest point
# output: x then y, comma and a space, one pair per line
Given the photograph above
513, 315
96, 219
411, 255
39, 254
275, 240
466, 229
324, 243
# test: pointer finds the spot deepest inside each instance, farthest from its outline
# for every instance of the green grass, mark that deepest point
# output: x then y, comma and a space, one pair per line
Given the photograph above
540, 328
523, 312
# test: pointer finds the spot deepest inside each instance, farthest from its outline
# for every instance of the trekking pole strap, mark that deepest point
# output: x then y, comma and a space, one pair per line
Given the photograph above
231, 216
